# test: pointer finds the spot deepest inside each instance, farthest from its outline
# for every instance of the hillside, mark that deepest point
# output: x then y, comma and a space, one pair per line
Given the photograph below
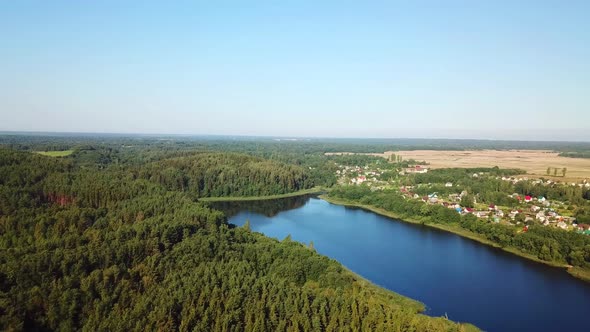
226, 174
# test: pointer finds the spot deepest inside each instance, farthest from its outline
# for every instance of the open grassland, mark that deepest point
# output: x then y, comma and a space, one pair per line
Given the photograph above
64, 153
533, 161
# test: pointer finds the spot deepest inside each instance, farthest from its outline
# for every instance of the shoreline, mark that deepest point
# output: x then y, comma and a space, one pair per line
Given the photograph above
314, 190
576, 272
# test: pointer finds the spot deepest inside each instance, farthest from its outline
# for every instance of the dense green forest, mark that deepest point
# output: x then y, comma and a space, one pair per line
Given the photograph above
226, 174
109, 239
545, 243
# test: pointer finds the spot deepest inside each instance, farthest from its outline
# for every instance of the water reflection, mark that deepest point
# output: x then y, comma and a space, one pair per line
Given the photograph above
268, 208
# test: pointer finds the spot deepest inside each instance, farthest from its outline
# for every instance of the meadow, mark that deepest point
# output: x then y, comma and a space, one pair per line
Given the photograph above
64, 153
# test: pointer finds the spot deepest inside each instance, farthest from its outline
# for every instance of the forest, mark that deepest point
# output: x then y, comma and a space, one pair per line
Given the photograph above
226, 174
113, 237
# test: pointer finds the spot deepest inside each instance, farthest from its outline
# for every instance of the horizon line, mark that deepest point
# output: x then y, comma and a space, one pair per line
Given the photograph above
83, 133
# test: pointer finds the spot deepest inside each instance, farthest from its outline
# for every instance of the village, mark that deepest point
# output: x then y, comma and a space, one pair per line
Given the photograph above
528, 210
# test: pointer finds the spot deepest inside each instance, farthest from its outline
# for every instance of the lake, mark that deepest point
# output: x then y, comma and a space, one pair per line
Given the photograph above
451, 275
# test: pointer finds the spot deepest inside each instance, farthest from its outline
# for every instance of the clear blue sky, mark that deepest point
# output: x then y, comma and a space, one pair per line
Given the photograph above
460, 69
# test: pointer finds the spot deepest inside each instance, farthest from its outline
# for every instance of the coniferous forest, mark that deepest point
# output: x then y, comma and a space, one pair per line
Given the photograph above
113, 238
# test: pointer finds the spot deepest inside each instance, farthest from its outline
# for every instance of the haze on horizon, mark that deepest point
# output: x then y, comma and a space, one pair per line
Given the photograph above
458, 69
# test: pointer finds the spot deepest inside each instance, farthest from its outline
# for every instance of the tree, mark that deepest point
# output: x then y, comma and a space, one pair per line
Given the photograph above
555, 172
467, 201
548, 170
247, 225
563, 171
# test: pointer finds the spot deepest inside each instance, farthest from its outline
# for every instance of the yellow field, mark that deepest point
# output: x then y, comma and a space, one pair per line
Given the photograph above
533, 161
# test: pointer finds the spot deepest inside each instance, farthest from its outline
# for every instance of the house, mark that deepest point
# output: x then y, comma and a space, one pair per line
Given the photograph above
535, 208
481, 214
448, 184
569, 220
492, 207
359, 180
468, 210
475, 175
528, 199
416, 169
562, 225
541, 199
500, 213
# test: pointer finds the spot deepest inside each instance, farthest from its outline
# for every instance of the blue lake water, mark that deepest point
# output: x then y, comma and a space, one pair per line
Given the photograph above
466, 280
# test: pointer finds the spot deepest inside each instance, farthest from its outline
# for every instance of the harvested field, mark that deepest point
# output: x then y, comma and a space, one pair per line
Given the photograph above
533, 161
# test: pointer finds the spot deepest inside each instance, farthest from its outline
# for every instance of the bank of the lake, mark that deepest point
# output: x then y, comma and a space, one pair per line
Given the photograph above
452, 275
311, 191
577, 272
407, 303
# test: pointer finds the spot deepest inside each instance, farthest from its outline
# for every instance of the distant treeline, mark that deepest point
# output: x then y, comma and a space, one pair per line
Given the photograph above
577, 154
54, 141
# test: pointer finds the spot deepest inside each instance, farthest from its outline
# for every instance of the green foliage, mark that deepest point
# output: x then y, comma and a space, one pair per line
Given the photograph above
576, 154
226, 174
467, 201
98, 250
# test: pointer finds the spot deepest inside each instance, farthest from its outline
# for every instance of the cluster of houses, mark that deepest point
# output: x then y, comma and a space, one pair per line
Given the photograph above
361, 175
536, 209
514, 180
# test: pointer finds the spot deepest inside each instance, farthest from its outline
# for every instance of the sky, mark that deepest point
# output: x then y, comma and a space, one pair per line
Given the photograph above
433, 69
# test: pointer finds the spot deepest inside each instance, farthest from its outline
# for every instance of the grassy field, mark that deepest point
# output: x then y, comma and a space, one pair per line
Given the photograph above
64, 153
315, 190
535, 162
